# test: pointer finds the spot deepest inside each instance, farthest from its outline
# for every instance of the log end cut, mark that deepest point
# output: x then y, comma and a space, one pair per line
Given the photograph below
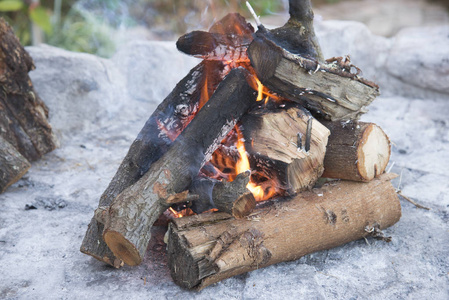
373, 152
122, 248
356, 151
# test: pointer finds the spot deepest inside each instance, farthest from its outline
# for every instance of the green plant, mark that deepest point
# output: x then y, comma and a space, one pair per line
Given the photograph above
22, 15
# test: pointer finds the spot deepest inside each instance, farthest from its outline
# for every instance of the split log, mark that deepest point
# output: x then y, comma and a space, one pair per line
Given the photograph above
12, 164
285, 146
131, 215
288, 60
356, 151
231, 197
207, 248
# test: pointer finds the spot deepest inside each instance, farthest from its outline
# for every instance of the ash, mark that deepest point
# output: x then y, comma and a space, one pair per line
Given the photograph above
97, 108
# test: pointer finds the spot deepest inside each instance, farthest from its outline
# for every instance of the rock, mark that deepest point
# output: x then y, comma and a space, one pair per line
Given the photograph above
80, 89
152, 69
419, 59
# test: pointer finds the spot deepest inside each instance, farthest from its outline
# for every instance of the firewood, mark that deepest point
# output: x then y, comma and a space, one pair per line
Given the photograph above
164, 125
23, 115
227, 40
207, 248
131, 215
288, 60
12, 164
279, 149
230, 197
356, 151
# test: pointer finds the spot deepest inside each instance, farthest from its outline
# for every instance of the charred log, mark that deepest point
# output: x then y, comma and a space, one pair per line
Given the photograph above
164, 125
131, 215
231, 197
227, 40
205, 249
356, 151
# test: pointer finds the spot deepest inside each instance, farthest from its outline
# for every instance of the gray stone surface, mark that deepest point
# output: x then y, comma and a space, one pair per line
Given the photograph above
98, 108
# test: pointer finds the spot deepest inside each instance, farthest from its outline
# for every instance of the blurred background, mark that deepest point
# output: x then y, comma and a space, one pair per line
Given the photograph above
99, 26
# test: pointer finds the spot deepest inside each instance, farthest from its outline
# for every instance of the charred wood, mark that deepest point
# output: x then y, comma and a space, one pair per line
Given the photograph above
164, 125
208, 248
227, 40
131, 215
231, 197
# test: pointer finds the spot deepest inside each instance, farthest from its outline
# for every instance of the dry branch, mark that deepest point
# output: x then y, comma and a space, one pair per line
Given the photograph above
356, 151
205, 249
131, 215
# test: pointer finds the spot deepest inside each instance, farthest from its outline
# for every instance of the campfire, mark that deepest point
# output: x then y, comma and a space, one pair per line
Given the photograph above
241, 152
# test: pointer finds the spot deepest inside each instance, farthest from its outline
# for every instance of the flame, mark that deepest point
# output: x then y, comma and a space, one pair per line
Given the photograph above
242, 165
204, 94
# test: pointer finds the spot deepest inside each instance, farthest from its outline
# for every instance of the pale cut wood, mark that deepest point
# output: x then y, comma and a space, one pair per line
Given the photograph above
205, 249
327, 89
356, 151
12, 165
131, 215
279, 149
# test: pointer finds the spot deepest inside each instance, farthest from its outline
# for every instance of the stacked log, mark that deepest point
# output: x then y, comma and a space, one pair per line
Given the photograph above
312, 131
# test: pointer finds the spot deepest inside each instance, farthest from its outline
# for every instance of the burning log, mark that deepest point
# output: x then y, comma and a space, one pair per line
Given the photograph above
286, 147
131, 215
164, 125
288, 61
25, 132
227, 40
13, 165
230, 197
356, 151
205, 249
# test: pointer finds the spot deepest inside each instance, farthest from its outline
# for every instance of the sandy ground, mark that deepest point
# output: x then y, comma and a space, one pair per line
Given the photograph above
97, 108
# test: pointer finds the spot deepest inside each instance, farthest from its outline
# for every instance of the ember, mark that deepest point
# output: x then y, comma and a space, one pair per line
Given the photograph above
255, 120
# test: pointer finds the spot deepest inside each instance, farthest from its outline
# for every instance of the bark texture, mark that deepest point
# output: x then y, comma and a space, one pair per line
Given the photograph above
12, 165
205, 249
23, 115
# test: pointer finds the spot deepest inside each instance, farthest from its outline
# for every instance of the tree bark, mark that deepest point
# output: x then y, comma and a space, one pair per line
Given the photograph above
12, 165
207, 248
356, 151
131, 215
285, 146
25, 134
